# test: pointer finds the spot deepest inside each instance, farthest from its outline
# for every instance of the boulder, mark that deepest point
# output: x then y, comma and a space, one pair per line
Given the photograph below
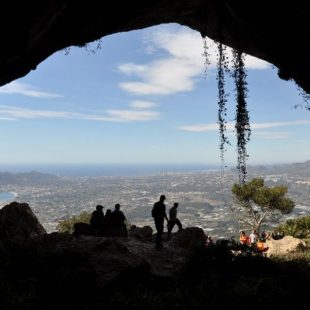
18, 223
287, 244
113, 258
144, 234
83, 229
189, 238
51, 240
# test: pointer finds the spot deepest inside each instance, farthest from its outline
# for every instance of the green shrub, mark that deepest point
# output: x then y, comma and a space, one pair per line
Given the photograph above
299, 227
67, 225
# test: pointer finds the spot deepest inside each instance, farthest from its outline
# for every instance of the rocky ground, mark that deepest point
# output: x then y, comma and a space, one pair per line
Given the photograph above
86, 266
57, 271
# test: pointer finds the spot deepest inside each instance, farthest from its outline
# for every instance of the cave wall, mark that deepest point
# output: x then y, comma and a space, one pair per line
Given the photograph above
276, 31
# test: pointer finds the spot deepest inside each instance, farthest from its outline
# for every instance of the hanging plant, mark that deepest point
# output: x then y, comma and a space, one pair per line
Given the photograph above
242, 126
305, 97
222, 67
206, 55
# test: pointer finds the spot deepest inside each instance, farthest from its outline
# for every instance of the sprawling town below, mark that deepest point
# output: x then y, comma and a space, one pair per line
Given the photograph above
204, 198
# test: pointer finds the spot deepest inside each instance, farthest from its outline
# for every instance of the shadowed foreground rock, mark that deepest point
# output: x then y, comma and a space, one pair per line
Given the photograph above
144, 233
18, 223
58, 267
190, 238
57, 271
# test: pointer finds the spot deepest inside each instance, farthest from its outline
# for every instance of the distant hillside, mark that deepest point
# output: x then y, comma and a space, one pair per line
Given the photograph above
301, 169
27, 178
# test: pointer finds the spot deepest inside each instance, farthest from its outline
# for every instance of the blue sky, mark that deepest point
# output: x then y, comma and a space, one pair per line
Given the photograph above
143, 97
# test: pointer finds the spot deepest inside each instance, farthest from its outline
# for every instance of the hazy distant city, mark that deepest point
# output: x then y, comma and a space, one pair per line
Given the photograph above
204, 197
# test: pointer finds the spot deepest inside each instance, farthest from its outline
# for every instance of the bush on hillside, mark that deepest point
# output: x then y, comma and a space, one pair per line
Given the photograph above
68, 225
298, 228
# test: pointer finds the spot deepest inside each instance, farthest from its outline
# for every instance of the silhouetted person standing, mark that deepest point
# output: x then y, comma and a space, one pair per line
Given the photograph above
97, 220
159, 215
118, 220
173, 220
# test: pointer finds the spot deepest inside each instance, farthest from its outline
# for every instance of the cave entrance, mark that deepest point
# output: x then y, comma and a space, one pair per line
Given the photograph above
142, 99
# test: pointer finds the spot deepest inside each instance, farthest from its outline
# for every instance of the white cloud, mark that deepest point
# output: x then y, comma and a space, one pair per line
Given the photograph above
181, 65
139, 104
255, 63
230, 126
200, 127
15, 113
273, 135
163, 77
22, 113
279, 124
188, 44
131, 68
126, 116
19, 113
16, 87
7, 119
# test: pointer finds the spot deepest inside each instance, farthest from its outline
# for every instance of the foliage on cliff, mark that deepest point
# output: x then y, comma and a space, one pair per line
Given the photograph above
298, 228
67, 225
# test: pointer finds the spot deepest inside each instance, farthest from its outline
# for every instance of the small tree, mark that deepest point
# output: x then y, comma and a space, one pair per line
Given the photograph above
68, 225
259, 203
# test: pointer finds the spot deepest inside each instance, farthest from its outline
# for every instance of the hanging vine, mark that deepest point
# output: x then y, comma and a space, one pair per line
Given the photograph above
222, 67
242, 126
305, 97
206, 55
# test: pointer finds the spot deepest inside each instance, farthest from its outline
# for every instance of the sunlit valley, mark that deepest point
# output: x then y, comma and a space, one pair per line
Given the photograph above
205, 196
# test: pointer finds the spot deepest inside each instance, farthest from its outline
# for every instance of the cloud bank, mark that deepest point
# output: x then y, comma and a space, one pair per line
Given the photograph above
179, 67
19, 88
10, 113
230, 126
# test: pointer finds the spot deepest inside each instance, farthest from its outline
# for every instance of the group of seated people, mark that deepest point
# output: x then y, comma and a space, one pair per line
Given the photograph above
258, 243
112, 223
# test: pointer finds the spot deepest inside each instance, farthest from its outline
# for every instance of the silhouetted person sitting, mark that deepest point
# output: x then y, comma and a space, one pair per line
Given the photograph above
118, 220
261, 246
173, 220
108, 223
159, 215
209, 241
97, 221
243, 238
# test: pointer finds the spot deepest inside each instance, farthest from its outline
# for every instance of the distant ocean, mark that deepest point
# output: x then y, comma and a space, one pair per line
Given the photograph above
84, 170
7, 196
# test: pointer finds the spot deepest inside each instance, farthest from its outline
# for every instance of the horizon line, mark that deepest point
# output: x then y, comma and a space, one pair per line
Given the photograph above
149, 163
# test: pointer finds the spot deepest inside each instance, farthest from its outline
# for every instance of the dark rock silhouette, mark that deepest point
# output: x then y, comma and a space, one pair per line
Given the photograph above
190, 238
144, 233
56, 271
62, 266
83, 229
42, 28
18, 223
